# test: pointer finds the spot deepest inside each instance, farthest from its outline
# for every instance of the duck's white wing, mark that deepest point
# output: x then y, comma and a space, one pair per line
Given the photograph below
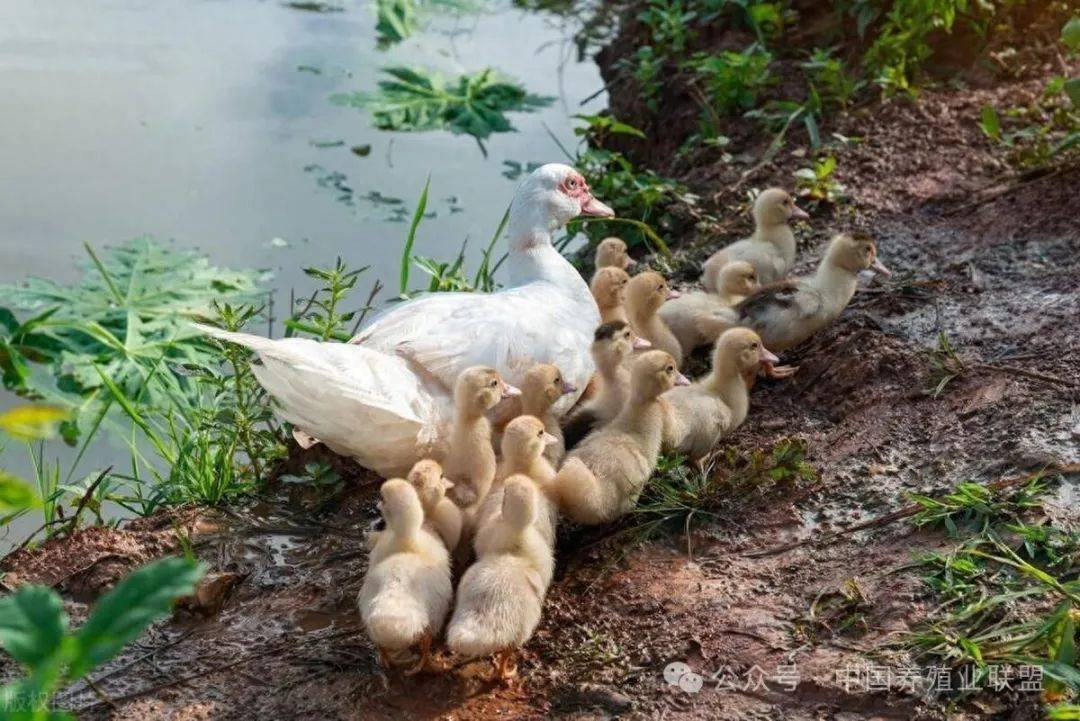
511, 331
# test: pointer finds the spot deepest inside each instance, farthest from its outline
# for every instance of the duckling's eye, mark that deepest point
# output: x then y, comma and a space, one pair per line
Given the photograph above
670, 369
494, 384
540, 434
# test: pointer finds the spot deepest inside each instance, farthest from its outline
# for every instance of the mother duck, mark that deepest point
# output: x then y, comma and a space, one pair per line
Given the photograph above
384, 398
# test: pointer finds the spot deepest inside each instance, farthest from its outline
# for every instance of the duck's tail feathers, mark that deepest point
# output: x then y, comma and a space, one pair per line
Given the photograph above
359, 402
396, 622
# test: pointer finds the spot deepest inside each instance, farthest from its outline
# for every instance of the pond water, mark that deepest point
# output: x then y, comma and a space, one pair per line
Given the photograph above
208, 122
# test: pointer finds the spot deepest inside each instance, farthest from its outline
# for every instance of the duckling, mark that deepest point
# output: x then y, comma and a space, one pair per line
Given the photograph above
406, 591
611, 253
701, 413
440, 512
602, 478
698, 319
785, 314
771, 249
470, 460
645, 294
500, 596
608, 287
611, 346
523, 445
543, 385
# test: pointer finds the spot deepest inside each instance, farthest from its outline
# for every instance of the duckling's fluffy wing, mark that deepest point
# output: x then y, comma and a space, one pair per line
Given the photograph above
786, 300
511, 331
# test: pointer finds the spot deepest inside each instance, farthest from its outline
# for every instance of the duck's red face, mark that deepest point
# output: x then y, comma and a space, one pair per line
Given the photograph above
575, 187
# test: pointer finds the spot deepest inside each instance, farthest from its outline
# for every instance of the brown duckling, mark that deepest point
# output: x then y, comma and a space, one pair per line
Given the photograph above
702, 413
698, 319
645, 294
611, 347
608, 287
611, 253
771, 249
787, 313
602, 478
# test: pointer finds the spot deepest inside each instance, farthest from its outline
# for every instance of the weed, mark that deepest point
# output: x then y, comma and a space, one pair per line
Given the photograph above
817, 183
34, 631
829, 79
1005, 591
1046, 130
418, 100
839, 612
946, 365
670, 25
732, 81
677, 493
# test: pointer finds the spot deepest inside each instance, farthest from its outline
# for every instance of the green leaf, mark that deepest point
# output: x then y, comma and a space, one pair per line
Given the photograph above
1072, 89
1070, 34
32, 624
406, 252
415, 100
989, 123
32, 422
123, 613
15, 495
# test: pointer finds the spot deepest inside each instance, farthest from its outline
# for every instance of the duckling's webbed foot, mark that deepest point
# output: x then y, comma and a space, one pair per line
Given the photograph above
384, 658
425, 662
506, 667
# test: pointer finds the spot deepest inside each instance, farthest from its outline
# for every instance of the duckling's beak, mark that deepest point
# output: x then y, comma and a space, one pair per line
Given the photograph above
630, 263
447, 483
510, 391
595, 208
549, 439
798, 213
879, 268
568, 388
641, 343
673, 294
681, 380
766, 356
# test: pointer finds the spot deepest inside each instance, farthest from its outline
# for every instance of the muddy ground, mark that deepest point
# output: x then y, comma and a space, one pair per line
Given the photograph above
991, 260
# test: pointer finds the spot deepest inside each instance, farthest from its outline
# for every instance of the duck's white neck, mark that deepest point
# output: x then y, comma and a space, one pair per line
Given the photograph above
531, 255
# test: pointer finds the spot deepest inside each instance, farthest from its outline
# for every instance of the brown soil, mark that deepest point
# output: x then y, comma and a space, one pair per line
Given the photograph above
999, 273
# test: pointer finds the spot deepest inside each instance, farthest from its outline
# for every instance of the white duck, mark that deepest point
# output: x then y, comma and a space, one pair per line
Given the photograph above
385, 398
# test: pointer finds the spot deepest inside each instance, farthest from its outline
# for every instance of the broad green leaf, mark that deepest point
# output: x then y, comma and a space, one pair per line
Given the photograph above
32, 422
418, 100
123, 613
1072, 89
32, 624
989, 123
15, 495
1070, 34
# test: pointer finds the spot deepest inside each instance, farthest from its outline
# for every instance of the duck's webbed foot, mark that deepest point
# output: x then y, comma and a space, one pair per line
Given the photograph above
425, 662
505, 667
384, 658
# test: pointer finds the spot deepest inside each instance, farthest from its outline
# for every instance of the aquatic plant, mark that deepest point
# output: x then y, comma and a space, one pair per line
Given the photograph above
34, 631
415, 100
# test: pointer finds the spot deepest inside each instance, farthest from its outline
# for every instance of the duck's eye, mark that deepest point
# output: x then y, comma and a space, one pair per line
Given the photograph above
494, 384
572, 183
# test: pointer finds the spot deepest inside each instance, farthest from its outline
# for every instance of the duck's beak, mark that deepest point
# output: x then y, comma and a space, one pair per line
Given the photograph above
798, 213
879, 268
681, 380
568, 387
766, 356
641, 344
510, 391
672, 294
549, 439
595, 208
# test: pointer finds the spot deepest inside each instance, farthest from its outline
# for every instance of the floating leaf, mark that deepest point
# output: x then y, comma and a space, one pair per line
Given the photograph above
417, 100
361, 151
